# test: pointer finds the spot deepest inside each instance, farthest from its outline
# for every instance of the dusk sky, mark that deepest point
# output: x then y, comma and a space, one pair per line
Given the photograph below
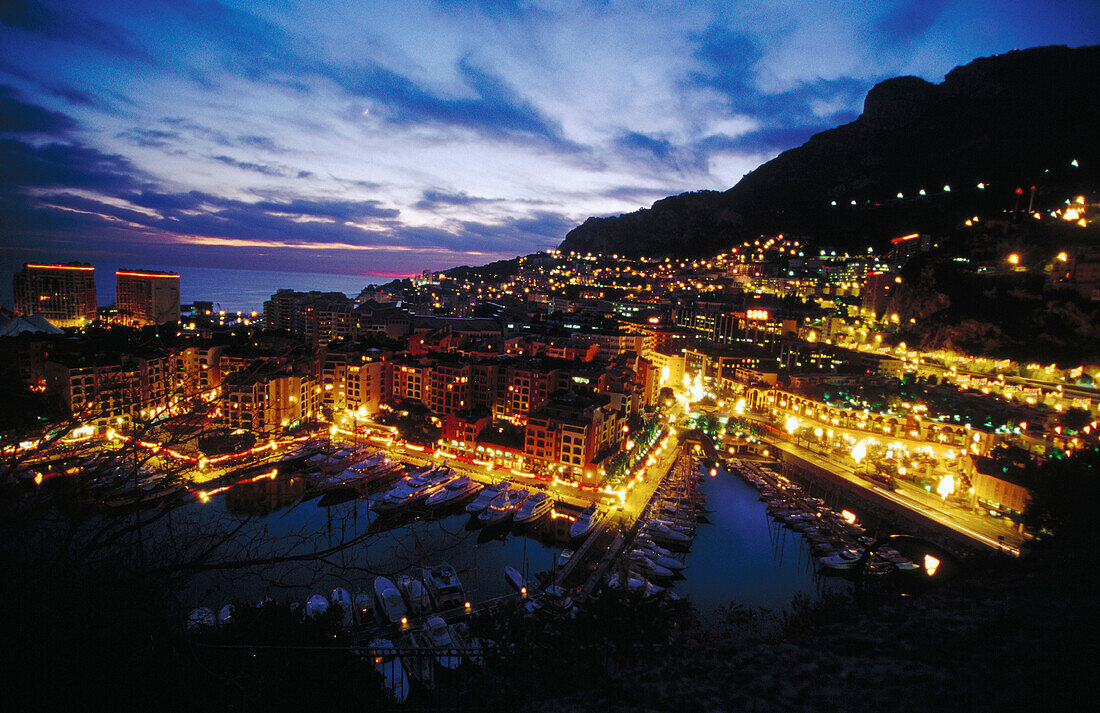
389, 137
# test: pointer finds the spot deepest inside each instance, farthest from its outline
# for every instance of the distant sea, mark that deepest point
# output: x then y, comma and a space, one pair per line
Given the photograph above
229, 289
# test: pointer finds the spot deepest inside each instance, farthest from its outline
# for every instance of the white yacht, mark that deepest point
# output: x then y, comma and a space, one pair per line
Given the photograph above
453, 492
503, 507
416, 596
444, 586
514, 578
668, 535
391, 607
584, 523
439, 636
535, 507
482, 501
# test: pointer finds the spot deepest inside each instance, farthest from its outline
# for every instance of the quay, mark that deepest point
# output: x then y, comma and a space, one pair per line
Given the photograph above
952, 527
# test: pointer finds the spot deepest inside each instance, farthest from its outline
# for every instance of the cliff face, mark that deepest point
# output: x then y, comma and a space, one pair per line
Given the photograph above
1002, 120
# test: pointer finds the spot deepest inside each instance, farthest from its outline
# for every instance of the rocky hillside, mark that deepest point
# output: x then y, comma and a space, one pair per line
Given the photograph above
1011, 120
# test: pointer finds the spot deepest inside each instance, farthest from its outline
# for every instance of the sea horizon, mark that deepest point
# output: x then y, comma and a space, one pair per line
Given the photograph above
230, 289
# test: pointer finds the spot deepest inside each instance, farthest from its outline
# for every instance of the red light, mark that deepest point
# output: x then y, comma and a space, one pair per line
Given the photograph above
1019, 191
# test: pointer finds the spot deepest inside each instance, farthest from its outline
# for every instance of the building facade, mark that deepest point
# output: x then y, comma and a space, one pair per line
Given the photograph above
63, 294
146, 297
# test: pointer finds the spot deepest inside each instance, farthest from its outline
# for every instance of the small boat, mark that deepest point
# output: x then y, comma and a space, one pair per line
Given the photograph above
845, 559
564, 556
897, 559
534, 507
663, 533
364, 608
584, 523
646, 541
443, 586
514, 579
416, 596
648, 568
391, 607
631, 581
227, 615
439, 637
666, 561
316, 606
487, 495
342, 598
558, 599
503, 507
390, 667
460, 635
453, 492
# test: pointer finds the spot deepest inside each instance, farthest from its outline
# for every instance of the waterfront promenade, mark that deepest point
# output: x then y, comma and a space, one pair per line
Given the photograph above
910, 502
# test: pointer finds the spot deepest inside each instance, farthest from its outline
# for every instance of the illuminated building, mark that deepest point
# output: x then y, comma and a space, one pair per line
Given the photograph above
63, 294
146, 297
110, 392
569, 431
876, 291
268, 400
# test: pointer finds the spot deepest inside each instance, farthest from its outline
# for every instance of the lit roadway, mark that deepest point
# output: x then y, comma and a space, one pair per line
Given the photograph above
906, 495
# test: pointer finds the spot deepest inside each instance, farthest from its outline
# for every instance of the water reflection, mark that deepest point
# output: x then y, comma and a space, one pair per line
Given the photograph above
262, 497
303, 544
743, 556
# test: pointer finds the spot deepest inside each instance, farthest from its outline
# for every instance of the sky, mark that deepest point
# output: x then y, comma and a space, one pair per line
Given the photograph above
386, 138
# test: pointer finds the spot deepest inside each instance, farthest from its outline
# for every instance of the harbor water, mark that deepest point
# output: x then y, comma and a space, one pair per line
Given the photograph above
742, 556
303, 547
739, 557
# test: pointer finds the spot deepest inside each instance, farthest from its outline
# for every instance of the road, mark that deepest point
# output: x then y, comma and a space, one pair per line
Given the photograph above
980, 529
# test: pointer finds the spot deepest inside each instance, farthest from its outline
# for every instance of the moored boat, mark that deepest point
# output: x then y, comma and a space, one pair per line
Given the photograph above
391, 607
668, 535
439, 637
514, 579
342, 598
399, 495
486, 496
453, 492
364, 608
585, 522
535, 507
503, 507
415, 594
845, 559
435, 484
443, 586
391, 668
316, 606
